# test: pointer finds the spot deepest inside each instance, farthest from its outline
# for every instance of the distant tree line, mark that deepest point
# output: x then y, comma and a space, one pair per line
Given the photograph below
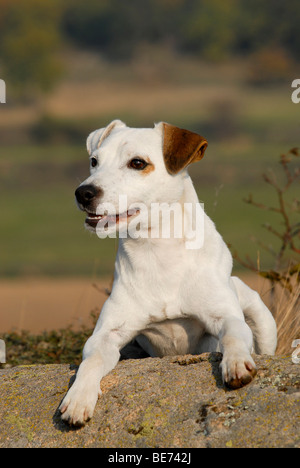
29, 38
212, 29
32, 31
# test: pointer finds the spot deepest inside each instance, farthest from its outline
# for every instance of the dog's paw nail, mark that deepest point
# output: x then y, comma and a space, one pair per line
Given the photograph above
77, 423
250, 367
241, 380
63, 408
238, 372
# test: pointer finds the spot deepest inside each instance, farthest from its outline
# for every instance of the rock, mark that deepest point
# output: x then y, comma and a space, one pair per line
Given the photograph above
174, 402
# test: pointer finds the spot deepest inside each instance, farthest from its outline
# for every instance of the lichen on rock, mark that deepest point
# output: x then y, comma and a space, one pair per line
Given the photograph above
171, 402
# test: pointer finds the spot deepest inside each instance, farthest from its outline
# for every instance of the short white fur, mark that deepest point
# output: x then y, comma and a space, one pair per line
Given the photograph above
171, 299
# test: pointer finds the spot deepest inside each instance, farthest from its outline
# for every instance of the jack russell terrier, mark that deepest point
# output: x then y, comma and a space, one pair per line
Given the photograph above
171, 295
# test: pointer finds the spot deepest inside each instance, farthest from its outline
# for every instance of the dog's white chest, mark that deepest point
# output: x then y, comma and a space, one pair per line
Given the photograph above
154, 272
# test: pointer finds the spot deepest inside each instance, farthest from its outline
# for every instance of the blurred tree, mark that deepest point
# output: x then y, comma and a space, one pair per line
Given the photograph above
90, 23
29, 40
208, 29
211, 29
116, 28
31, 31
269, 24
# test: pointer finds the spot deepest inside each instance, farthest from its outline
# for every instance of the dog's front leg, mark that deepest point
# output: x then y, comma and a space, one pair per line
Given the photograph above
222, 317
98, 359
238, 367
100, 355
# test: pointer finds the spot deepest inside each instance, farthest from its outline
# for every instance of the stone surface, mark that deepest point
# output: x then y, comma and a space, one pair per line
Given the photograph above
174, 402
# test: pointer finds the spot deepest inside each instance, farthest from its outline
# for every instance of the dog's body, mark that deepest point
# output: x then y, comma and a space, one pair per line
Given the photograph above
170, 298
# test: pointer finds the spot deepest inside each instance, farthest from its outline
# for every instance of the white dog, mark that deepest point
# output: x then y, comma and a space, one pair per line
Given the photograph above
171, 297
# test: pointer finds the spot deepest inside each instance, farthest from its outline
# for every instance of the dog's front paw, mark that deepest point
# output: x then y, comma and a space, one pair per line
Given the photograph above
78, 405
237, 370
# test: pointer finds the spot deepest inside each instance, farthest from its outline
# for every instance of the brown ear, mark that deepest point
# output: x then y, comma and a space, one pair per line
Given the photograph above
181, 147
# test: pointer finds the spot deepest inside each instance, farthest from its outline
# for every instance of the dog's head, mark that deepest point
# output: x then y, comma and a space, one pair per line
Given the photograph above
133, 167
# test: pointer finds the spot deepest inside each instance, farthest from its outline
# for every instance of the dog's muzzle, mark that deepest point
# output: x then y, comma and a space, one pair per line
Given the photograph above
86, 195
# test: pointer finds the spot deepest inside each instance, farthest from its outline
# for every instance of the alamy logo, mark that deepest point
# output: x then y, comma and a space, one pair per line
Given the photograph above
2, 352
2, 92
296, 94
160, 220
295, 358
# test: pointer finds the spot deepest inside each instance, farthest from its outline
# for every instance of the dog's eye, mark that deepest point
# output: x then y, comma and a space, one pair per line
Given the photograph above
94, 162
138, 164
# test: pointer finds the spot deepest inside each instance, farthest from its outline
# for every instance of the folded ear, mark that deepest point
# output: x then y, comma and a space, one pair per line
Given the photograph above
95, 138
181, 147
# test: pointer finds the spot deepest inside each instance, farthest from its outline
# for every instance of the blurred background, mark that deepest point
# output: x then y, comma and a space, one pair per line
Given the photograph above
222, 69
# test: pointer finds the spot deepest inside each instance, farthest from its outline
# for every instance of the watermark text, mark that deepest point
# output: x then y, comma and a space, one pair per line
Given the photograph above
159, 221
2, 352
296, 94
2, 92
296, 353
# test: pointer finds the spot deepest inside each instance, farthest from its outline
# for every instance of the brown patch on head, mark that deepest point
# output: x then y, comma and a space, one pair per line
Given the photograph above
149, 168
181, 148
141, 164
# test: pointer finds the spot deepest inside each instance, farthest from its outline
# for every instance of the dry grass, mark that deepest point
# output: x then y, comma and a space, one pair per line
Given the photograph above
287, 316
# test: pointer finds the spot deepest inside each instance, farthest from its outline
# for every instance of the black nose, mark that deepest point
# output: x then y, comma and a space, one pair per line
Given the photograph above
86, 193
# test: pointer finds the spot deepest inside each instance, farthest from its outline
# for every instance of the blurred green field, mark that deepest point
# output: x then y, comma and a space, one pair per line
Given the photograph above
42, 230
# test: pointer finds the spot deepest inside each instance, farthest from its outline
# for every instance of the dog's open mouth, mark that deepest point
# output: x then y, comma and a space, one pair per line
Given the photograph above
107, 220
